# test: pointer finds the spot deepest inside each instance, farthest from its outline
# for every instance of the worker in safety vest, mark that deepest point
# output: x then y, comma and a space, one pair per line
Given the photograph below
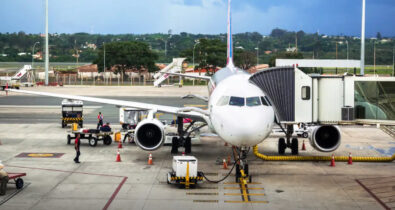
77, 148
3, 180
100, 120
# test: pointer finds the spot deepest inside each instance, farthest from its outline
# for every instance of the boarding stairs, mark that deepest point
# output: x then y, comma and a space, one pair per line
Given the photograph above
173, 67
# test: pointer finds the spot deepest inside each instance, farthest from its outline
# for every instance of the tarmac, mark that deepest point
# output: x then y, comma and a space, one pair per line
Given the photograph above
99, 182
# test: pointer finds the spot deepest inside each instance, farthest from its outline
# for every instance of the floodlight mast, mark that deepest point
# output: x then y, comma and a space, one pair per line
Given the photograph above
363, 39
46, 43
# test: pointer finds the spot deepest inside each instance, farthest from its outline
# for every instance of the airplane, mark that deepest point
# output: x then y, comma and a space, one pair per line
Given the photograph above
238, 111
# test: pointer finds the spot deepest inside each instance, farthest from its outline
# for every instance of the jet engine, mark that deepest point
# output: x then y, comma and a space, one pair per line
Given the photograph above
149, 134
325, 138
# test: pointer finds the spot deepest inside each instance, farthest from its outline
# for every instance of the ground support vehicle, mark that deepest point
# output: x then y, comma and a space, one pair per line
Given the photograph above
184, 172
17, 179
72, 111
92, 135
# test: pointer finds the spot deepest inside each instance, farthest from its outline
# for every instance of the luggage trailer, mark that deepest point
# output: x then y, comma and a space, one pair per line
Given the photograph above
92, 135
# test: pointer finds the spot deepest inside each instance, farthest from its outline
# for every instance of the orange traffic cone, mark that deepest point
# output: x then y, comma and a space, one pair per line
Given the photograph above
349, 159
333, 161
150, 159
225, 165
303, 146
118, 157
120, 145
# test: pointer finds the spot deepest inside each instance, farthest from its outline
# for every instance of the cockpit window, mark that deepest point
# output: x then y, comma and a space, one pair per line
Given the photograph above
253, 101
236, 101
265, 101
224, 100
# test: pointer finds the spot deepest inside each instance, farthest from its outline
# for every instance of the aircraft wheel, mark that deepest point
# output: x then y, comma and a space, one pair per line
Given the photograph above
305, 134
294, 146
174, 145
281, 146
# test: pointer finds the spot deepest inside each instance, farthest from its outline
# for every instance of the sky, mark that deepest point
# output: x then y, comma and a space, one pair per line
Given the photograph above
331, 17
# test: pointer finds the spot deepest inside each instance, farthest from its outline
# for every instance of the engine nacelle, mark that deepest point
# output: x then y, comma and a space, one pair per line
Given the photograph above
149, 134
325, 138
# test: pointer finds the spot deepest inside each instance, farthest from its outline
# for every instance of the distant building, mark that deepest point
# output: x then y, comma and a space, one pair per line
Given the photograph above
38, 55
3, 55
291, 49
22, 54
267, 52
257, 68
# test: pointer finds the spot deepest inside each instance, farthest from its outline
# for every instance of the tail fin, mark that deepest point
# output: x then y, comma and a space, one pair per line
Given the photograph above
229, 60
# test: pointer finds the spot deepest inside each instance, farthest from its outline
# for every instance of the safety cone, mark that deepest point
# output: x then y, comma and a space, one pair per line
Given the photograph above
225, 165
349, 159
303, 146
118, 157
150, 159
333, 161
120, 145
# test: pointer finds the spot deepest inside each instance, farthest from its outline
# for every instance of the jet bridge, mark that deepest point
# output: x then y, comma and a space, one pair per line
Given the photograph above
289, 90
327, 99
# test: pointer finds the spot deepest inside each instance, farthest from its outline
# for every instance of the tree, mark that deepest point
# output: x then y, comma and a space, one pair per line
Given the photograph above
245, 59
127, 55
209, 54
378, 36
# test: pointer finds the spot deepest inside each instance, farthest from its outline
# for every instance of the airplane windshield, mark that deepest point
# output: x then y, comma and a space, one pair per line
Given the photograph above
236, 101
253, 101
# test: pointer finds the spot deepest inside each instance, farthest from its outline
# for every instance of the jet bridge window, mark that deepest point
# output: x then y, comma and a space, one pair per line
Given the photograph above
224, 100
306, 93
236, 101
253, 101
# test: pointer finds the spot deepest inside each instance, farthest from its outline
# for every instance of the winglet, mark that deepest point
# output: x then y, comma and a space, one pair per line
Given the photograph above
229, 60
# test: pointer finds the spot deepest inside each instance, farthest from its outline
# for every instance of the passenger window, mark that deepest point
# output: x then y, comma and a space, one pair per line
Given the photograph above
253, 101
224, 100
305, 93
236, 101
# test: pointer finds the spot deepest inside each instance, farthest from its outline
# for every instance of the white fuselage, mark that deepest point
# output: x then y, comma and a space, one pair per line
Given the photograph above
237, 113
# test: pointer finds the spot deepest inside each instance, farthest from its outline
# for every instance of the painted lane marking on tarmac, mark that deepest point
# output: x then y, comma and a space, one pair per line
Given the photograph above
39, 155
114, 194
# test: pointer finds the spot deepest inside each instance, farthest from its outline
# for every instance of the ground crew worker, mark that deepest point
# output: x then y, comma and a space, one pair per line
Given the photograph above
77, 148
3, 180
100, 120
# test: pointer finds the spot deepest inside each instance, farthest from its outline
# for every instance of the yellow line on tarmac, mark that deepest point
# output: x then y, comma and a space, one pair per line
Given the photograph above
246, 201
243, 194
248, 188
239, 183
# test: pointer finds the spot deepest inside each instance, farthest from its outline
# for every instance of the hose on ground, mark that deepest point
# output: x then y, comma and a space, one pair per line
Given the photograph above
320, 158
226, 176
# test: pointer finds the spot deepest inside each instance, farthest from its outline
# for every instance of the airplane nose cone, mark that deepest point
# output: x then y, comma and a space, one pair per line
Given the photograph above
245, 128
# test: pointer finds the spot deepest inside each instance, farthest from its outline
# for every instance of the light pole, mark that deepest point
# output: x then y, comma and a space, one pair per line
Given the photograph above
193, 54
46, 44
34, 45
257, 56
374, 58
347, 54
104, 61
363, 39
393, 64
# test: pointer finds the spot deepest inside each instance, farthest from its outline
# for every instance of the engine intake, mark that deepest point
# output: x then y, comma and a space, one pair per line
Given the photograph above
149, 134
325, 138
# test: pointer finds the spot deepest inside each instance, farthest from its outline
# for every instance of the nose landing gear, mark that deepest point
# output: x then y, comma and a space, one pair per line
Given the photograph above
184, 138
242, 170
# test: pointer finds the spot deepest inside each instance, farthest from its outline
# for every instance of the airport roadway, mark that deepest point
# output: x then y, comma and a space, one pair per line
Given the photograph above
54, 181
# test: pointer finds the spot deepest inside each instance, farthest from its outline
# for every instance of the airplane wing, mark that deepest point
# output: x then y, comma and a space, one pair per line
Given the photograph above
190, 112
185, 75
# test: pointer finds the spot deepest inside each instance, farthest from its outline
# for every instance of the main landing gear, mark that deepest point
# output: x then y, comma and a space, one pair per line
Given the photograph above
184, 139
290, 143
242, 171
